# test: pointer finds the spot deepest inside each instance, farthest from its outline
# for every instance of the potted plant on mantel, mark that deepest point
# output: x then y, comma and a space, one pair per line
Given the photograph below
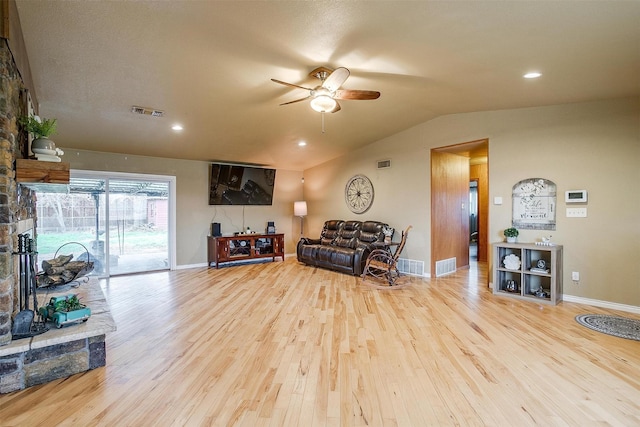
511, 234
41, 129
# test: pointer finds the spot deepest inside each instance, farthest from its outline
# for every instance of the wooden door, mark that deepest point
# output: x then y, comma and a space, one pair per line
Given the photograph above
449, 208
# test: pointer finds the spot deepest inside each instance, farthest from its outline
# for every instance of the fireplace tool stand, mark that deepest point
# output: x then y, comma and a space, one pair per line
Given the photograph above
24, 324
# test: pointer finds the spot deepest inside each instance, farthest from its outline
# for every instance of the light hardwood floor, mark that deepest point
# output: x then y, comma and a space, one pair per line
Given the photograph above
281, 344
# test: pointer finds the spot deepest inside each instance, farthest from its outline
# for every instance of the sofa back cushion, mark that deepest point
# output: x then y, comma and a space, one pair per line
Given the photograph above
372, 232
330, 231
348, 235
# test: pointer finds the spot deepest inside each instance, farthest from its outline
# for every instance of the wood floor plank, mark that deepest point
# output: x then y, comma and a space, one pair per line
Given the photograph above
282, 344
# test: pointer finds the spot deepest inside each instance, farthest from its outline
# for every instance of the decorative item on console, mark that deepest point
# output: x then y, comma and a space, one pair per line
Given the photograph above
271, 228
388, 233
512, 286
545, 241
512, 262
65, 309
41, 129
511, 234
541, 267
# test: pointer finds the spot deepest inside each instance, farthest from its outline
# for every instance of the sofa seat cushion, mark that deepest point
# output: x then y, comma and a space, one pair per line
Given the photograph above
343, 257
324, 253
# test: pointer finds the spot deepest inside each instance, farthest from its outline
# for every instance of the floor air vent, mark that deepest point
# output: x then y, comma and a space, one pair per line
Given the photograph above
411, 266
445, 266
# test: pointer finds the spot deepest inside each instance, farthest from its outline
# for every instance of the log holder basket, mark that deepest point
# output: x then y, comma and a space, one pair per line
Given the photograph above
81, 275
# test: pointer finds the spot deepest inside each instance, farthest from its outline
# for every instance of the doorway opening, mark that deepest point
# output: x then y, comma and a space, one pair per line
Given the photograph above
459, 209
473, 220
124, 223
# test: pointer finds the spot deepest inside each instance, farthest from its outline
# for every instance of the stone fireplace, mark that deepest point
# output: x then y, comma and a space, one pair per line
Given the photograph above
57, 353
16, 202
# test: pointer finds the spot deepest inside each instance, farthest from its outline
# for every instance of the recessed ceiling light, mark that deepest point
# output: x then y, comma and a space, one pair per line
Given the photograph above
301, 144
532, 75
177, 127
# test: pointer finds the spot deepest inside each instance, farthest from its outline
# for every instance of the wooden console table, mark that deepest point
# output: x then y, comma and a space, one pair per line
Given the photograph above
243, 247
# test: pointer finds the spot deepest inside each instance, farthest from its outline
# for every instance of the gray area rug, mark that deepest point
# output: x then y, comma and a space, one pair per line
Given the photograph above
612, 325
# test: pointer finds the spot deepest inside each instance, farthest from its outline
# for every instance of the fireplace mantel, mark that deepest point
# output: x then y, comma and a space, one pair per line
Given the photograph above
35, 171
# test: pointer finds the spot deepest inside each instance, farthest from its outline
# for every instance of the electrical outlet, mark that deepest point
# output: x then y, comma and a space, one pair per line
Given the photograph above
575, 276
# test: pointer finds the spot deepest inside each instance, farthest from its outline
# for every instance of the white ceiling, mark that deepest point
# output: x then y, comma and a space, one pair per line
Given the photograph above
208, 65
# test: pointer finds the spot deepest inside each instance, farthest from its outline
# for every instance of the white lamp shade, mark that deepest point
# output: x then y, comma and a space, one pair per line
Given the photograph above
323, 104
300, 208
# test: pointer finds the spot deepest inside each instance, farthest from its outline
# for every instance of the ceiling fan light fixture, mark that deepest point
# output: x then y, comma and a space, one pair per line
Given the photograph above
323, 104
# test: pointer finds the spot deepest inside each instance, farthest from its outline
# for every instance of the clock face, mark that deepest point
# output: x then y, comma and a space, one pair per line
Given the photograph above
358, 194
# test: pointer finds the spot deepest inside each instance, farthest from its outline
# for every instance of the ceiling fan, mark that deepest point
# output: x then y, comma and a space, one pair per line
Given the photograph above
324, 96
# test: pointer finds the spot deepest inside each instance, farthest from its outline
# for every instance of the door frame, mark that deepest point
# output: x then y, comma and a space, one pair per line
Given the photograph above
472, 150
76, 173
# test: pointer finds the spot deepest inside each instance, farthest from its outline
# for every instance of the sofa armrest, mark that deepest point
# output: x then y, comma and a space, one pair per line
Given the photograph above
360, 257
308, 241
303, 242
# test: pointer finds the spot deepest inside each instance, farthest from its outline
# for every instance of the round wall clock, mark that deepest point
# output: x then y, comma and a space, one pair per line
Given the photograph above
358, 194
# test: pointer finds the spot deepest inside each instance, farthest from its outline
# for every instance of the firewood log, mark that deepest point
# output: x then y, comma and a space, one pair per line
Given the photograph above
75, 266
46, 281
56, 262
52, 271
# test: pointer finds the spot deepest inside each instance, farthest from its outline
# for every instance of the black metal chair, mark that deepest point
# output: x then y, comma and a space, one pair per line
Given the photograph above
382, 264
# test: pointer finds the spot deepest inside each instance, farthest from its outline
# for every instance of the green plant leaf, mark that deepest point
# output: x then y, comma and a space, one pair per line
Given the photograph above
40, 129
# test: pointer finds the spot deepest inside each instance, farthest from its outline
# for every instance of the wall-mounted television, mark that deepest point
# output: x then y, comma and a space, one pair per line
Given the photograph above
240, 185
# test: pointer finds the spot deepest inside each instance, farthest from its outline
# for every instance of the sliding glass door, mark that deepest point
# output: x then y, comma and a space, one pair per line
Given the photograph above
138, 226
122, 222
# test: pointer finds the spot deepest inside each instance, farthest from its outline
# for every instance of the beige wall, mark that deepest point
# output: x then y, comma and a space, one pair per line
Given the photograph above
593, 146
193, 213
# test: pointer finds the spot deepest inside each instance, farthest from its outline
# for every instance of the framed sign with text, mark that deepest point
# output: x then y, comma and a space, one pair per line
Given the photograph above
534, 204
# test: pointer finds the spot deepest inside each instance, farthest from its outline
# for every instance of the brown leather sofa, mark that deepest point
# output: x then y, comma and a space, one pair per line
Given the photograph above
343, 245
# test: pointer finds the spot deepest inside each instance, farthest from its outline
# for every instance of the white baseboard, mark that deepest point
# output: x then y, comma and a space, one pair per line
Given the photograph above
600, 303
596, 303
186, 266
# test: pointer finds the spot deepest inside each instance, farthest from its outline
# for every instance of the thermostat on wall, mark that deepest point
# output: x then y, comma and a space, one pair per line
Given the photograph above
575, 196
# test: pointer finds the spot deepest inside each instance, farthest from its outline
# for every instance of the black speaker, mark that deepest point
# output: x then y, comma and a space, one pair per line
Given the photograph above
215, 229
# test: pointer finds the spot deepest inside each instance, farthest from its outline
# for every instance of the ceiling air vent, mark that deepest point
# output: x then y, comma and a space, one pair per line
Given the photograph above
147, 111
137, 110
384, 164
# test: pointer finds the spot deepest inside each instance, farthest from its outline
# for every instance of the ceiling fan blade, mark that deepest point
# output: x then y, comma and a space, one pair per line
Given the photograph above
290, 84
297, 100
336, 79
356, 94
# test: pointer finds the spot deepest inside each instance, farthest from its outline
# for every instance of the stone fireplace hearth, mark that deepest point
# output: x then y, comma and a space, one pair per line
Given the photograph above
59, 353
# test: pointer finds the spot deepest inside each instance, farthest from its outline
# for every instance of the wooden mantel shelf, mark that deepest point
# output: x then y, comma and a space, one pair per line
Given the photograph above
35, 171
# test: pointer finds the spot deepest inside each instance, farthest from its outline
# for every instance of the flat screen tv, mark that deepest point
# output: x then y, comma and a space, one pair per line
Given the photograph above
240, 185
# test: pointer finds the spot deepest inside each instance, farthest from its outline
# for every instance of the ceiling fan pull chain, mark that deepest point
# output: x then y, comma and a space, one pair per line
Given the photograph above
322, 114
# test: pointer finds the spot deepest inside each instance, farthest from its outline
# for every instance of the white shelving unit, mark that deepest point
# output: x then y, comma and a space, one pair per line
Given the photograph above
532, 285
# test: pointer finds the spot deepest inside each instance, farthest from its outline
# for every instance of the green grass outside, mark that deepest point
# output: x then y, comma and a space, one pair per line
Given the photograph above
136, 241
